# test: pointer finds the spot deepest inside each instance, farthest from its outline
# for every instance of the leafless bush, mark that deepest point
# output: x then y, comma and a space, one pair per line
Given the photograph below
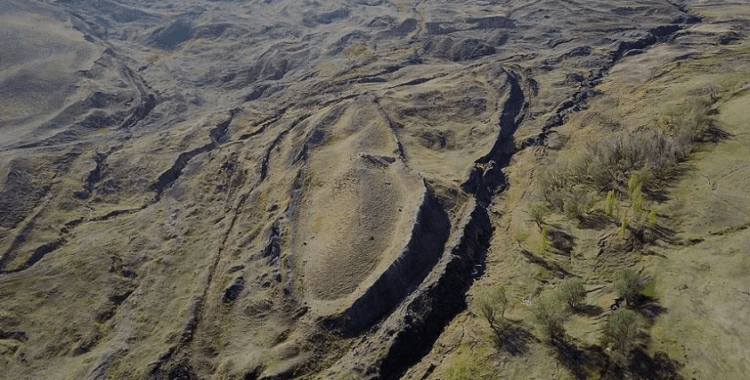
608, 164
652, 154
577, 202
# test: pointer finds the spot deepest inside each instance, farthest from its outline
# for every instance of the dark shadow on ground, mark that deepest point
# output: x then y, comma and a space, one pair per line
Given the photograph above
660, 191
596, 220
514, 340
658, 367
593, 362
588, 310
715, 134
561, 240
651, 234
648, 252
552, 267
648, 307
582, 362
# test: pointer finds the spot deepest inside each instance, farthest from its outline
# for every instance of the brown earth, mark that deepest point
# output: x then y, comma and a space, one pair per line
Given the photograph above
281, 189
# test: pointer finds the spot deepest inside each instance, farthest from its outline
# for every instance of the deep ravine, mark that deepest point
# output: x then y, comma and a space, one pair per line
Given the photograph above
430, 310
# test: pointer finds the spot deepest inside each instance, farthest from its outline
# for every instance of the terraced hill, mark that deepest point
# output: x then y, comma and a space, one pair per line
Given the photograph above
218, 189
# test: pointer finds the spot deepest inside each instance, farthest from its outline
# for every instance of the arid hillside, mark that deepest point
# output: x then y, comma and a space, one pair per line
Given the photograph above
374, 189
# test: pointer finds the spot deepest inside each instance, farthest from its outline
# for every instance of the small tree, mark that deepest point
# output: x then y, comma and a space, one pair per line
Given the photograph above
520, 236
549, 315
652, 219
544, 242
572, 292
622, 331
490, 303
538, 211
623, 224
577, 203
635, 182
610, 205
637, 198
628, 284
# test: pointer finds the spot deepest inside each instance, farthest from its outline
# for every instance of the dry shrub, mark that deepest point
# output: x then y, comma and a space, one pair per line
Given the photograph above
577, 202
653, 155
690, 122
538, 211
622, 332
572, 292
608, 165
632, 164
490, 303
628, 284
549, 314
